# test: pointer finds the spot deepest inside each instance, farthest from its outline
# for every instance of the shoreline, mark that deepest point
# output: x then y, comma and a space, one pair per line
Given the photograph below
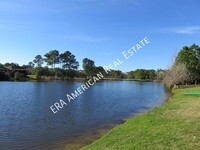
46, 79
148, 127
101, 132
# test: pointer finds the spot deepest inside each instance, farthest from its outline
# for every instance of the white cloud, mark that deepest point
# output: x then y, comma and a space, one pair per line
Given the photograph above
186, 30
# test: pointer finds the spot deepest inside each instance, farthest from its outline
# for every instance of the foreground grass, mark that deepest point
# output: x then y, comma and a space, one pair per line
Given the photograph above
173, 125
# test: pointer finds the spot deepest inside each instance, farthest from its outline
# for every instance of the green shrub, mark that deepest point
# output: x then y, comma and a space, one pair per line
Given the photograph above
19, 76
3, 76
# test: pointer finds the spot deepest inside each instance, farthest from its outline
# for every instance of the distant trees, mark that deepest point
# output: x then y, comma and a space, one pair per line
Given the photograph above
31, 64
91, 70
116, 74
186, 68
52, 58
130, 75
68, 61
89, 67
3, 76
38, 60
142, 74
13, 65
68, 65
160, 74
19, 76
45, 71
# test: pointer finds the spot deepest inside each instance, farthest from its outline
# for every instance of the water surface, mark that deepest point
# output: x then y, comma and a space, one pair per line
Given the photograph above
26, 121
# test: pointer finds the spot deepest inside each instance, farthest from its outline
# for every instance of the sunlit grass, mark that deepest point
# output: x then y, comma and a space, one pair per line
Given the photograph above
173, 125
33, 77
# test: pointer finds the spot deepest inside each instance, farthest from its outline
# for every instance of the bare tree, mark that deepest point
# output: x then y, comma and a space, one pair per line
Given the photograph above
176, 75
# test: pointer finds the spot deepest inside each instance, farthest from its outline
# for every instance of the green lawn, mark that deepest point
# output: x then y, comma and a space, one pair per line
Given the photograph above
173, 125
33, 77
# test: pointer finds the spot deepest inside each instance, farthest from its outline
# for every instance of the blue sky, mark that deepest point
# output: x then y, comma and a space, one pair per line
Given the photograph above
98, 29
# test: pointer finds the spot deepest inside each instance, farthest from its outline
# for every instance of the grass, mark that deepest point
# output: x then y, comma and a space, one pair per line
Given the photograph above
172, 126
32, 77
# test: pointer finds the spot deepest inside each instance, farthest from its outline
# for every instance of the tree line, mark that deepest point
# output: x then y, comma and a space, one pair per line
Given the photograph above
67, 60
186, 67
68, 69
65, 66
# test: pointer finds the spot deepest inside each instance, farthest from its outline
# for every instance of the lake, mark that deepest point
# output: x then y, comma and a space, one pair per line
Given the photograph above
26, 121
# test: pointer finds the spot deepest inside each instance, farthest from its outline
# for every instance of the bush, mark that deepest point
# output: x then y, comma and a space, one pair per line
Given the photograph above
19, 76
3, 77
57, 72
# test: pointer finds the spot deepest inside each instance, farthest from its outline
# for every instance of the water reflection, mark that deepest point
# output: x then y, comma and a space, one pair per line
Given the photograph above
26, 122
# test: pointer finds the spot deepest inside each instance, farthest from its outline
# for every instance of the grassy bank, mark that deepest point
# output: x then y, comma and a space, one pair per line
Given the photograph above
173, 125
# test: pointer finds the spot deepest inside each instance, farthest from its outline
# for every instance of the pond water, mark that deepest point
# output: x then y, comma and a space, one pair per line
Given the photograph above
26, 121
